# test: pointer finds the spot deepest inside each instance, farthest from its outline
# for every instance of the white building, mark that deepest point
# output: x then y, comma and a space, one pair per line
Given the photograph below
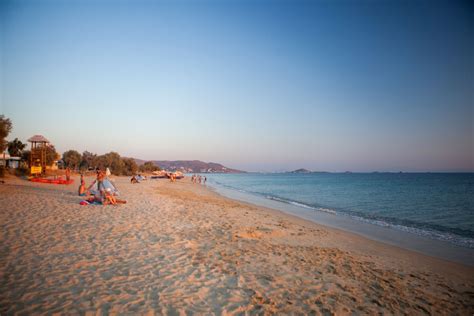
10, 162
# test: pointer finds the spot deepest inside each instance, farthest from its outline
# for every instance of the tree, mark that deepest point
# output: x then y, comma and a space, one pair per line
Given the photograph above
99, 162
5, 128
131, 166
51, 155
149, 166
25, 157
115, 163
111, 160
87, 160
72, 159
15, 148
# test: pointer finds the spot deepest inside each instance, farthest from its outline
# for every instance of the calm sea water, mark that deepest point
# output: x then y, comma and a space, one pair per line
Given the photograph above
434, 205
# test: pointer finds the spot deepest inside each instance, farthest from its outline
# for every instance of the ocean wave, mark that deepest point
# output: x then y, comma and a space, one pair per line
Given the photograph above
326, 210
424, 232
302, 205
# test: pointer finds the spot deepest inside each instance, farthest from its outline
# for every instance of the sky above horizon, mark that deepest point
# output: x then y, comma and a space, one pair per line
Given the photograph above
254, 85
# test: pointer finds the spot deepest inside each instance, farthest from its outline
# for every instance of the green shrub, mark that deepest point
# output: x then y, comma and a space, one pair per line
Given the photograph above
21, 171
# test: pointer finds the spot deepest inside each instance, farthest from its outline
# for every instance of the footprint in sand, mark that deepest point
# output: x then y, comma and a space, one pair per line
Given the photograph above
259, 233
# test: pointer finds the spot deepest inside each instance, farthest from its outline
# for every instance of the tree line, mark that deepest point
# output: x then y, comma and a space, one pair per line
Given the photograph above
118, 165
73, 159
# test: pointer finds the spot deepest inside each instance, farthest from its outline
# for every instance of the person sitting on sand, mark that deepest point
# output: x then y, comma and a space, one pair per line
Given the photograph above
99, 180
134, 180
82, 187
110, 199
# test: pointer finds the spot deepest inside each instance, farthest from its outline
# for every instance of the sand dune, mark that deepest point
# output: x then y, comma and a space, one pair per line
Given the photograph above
178, 248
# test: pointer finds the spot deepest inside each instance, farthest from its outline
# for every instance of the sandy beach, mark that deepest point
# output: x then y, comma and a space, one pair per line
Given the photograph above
179, 248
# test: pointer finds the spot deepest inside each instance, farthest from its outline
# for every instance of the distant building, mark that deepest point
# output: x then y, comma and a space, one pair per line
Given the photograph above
8, 161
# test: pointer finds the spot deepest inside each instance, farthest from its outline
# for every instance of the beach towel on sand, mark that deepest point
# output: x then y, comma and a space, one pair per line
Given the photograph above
85, 202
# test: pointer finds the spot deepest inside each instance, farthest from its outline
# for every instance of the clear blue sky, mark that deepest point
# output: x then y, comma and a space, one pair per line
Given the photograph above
256, 85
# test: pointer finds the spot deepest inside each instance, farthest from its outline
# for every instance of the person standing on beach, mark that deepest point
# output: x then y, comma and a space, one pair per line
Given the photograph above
68, 174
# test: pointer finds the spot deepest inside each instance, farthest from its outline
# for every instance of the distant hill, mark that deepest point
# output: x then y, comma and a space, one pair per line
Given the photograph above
300, 171
190, 166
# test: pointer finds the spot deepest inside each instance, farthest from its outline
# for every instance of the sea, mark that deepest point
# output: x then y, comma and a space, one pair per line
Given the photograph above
399, 208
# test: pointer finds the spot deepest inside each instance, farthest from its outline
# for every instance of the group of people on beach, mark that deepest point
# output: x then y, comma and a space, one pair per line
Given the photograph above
137, 178
198, 179
101, 191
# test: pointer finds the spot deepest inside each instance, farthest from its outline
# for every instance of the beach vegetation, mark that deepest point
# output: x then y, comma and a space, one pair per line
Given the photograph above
15, 147
21, 171
131, 166
114, 162
118, 166
149, 166
72, 159
87, 160
100, 162
51, 155
5, 129
25, 156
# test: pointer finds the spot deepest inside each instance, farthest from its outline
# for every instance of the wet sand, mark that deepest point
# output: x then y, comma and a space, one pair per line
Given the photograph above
179, 248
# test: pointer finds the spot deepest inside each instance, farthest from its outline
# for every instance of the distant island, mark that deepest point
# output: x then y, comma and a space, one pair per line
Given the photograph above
302, 170
190, 166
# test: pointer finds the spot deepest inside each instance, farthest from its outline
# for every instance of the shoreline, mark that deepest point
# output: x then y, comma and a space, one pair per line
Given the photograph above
390, 236
364, 241
180, 247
